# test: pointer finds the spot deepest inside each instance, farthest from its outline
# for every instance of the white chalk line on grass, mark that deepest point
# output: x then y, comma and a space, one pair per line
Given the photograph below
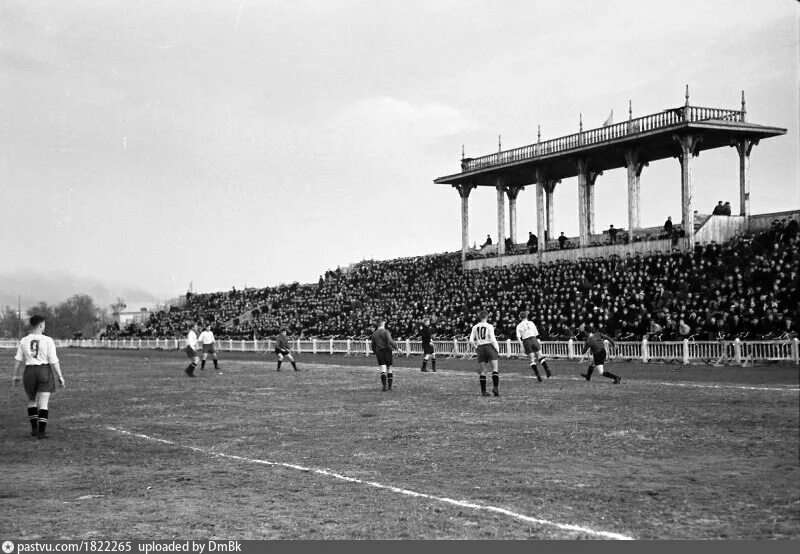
328, 473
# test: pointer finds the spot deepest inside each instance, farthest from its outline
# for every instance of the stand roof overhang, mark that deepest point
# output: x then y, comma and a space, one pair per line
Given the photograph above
656, 144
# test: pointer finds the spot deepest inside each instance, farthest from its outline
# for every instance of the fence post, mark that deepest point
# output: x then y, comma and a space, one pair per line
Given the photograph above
570, 349
140, 344
313, 346
331, 347
795, 353
737, 351
255, 344
348, 348
176, 344
645, 353
366, 347
230, 345
685, 351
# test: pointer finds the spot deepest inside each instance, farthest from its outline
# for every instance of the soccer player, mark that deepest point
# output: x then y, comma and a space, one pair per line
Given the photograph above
283, 351
191, 350
594, 342
527, 335
382, 346
206, 338
482, 337
427, 345
38, 352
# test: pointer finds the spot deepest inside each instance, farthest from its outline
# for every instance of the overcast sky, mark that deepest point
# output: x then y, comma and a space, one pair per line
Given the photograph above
149, 145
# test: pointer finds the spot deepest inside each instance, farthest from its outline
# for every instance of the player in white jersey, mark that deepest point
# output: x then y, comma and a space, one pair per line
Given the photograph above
528, 337
206, 338
38, 353
191, 350
482, 337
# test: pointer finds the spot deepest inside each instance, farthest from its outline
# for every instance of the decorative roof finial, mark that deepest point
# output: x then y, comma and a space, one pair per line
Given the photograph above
462, 152
744, 110
499, 144
687, 95
630, 110
538, 133
580, 128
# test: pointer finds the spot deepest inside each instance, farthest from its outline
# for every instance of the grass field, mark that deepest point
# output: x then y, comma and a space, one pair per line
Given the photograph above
140, 451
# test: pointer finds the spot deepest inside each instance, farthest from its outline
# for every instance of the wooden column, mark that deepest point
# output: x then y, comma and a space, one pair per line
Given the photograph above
501, 217
634, 164
463, 192
550, 206
586, 180
513, 191
688, 145
583, 232
540, 215
744, 147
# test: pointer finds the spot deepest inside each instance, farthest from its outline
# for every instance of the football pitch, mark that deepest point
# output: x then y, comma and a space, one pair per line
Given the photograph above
140, 451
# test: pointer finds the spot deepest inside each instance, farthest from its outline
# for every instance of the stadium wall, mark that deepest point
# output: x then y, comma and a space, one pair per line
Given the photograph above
734, 352
573, 254
763, 222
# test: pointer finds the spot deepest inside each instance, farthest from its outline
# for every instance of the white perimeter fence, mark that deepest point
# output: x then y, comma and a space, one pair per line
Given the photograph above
734, 352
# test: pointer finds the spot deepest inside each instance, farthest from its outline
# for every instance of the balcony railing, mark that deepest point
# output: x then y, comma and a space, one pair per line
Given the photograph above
651, 122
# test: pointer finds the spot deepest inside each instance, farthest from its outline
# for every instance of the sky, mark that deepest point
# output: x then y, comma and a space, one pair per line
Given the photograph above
148, 146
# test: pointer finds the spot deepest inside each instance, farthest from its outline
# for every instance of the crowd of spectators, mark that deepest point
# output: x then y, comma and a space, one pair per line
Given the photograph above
746, 288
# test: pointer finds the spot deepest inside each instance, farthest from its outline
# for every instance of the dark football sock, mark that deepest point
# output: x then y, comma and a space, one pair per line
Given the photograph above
383, 380
43, 420
216, 364
589, 372
389, 377
294, 365
483, 383
279, 365
433, 364
495, 379
536, 371
424, 365
609, 375
202, 364
546, 369
33, 417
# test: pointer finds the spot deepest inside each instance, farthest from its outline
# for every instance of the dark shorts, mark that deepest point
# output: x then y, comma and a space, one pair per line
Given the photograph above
191, 352
427, 348
284, 351
209, 348
599, 357
38, 378
384, 356
531, 344
487, 353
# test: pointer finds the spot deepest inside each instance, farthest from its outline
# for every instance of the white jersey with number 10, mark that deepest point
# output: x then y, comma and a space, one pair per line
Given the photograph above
483, 333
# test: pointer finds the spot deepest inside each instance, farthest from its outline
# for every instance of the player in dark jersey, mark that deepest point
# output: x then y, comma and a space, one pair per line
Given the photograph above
382, 346
427, 345
282, 350
594, 342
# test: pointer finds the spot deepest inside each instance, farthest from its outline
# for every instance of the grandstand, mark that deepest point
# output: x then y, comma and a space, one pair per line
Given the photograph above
711, 278
745, 288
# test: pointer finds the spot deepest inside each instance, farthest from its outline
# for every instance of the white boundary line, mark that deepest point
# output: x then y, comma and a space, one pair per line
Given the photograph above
328, 473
